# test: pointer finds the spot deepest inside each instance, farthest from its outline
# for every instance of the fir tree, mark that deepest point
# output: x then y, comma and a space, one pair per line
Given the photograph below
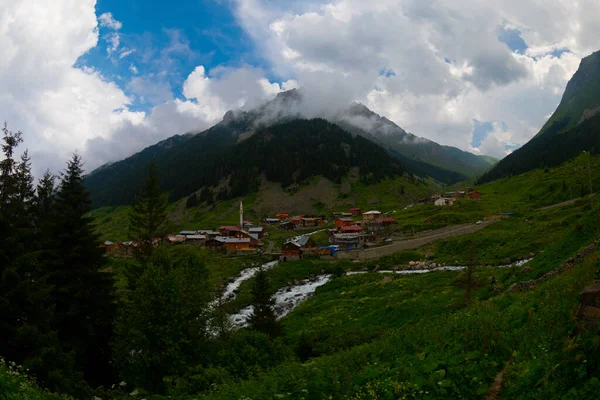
263, 317
163, 330
83, 294
148, 215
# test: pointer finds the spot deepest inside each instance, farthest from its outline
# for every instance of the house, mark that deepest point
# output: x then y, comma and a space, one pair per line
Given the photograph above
281, 217
259, 231
185, 233
271, 221
311, 221
444, 201
348, 240
175, 239
232, 244
344, 222
109, 246
290, 226
297, 220
436, 196
350, 229
371, 215
247, 224
195, 239
355, 211
208, 233
230, 231
216, 243
475, 195
380, 223
298, 247
461, 193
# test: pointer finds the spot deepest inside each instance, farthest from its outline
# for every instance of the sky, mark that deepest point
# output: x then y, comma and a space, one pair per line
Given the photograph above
107, 78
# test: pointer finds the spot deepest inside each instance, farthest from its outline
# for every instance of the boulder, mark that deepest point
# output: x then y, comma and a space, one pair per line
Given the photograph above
513, 288
506, 261
387, 279
526, 269
531, 255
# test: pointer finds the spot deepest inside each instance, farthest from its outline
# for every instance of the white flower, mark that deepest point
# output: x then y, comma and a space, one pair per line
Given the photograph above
134, 393
123, 384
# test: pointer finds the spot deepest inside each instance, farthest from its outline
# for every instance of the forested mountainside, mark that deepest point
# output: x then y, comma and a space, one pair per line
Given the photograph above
573, 127
287, 153
182, 157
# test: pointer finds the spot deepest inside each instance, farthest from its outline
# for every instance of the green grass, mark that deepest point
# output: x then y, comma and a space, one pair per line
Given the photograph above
15, 384
449, 354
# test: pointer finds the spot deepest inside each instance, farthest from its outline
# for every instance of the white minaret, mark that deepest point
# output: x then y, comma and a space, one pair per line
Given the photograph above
241, 215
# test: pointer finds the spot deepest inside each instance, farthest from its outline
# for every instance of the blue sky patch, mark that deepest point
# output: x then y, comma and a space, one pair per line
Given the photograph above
512, 38
480, 132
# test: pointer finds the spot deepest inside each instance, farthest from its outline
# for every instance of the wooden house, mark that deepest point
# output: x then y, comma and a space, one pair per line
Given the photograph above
215, 243
232, 244
350, 229
230, 231
371, 215
344, 222
259, 231
475, 195
355, 211
298, 247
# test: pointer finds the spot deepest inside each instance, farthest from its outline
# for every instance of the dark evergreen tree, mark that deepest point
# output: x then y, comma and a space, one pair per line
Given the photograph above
263, 317
163, 330
147, 217
83, 293
26, 311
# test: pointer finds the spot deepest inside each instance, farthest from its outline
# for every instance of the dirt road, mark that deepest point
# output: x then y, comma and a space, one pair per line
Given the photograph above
416, 241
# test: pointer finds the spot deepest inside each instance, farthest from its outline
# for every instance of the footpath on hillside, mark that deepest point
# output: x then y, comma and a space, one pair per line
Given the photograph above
416, 241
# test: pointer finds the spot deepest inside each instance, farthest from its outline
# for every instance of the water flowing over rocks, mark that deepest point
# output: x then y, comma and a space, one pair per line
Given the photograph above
286, 299
232, 287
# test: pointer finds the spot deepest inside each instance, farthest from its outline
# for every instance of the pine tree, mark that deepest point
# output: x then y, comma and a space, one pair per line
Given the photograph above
163, 330
263, 317
83, 294
25, 304
148, 216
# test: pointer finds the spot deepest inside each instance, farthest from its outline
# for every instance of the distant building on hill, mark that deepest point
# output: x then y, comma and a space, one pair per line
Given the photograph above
474, 195
444, 201
371, 215
298, 247
355, 211
344, 222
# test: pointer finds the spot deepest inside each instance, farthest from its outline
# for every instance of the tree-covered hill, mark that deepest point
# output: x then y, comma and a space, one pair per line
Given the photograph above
288, 153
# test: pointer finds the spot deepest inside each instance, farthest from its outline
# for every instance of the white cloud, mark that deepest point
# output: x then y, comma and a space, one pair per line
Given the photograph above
133, 69
62, 108
107, 20
125, 52
446, 62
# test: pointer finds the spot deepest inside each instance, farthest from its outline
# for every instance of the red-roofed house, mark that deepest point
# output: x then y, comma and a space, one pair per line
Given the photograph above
355, 211
343, 222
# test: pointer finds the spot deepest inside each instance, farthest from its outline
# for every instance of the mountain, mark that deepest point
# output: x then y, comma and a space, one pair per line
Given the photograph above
181, 159
289, 153
360, 120
572, 128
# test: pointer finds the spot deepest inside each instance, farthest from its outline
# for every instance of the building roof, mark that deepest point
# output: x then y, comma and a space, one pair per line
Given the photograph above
256, 230
372, 212
176, 238
346, 219
354, 209
254, 236
207, 232
302, 240
195, 237
237, 240
272, 219
188, 233
108, 243
232, 228
351, 228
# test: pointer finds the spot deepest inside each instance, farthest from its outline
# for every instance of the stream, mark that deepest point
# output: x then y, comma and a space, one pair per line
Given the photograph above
289, 297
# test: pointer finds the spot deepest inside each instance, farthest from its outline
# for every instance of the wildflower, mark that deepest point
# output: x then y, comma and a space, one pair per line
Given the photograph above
123, 384
134, 393
439, 383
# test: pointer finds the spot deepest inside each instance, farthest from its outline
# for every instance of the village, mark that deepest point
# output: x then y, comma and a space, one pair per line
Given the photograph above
347, 231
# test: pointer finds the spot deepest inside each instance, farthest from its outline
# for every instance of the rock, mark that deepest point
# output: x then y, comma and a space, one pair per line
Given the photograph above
506, 261
387, 279
531, 255
590, 295
322, 271
343, 294
513, 288
365, 269
377, 268
525, 270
